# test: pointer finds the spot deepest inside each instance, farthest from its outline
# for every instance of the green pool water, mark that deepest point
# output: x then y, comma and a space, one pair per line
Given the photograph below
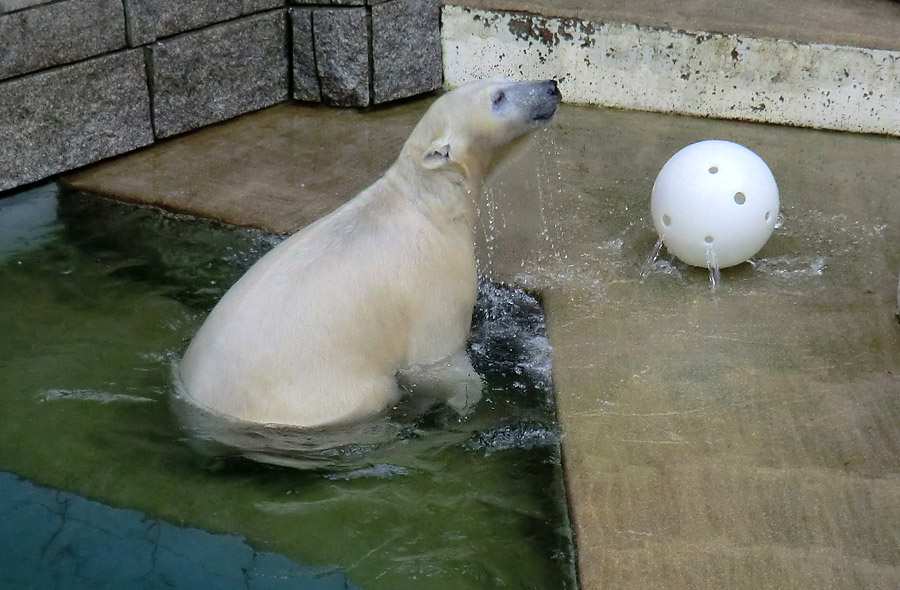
98, 298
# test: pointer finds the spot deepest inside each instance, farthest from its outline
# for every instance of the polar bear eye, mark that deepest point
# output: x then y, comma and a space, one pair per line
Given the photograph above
497, 98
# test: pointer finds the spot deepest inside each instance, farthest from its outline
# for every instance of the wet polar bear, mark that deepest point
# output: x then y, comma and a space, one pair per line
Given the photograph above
326, 327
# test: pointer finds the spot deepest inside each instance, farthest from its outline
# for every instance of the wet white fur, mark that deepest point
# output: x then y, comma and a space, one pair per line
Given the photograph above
318, 331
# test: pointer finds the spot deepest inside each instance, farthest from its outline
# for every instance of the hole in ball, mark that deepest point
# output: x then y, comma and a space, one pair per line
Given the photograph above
667, 221
740, 198
768, 215
713, 169
708, 239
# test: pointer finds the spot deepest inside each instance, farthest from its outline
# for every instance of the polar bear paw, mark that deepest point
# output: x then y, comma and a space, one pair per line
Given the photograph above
451, 379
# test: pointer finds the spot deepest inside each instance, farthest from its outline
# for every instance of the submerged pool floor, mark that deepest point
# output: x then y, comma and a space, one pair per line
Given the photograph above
55, 539
747, 437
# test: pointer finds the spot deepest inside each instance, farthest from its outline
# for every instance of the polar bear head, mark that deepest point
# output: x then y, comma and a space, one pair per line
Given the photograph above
466, 131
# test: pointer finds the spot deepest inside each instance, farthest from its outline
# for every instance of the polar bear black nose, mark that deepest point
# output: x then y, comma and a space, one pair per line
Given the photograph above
545, 96
552, 88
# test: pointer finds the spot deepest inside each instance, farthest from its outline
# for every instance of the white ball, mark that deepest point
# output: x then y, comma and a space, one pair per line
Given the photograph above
714, 201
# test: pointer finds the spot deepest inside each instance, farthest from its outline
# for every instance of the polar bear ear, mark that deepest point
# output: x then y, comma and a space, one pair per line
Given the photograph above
437, 155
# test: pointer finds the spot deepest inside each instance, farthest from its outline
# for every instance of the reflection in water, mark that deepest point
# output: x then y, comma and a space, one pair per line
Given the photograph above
223, 441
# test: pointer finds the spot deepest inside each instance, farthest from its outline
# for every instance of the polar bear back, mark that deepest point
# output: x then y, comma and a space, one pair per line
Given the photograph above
337, 288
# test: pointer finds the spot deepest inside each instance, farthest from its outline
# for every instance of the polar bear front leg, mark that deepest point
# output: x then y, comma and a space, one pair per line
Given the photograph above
451, 380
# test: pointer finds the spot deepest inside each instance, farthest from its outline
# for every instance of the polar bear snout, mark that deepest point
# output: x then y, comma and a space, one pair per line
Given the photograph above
548, 97
537, 99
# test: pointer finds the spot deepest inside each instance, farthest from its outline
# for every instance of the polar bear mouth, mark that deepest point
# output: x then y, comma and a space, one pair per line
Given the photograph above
544, 115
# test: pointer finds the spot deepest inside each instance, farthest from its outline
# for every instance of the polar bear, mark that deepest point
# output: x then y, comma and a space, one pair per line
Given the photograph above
326, 328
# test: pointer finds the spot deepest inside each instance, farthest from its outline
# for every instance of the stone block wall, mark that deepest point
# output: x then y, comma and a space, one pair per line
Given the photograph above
218, 72
360, 52
83, 80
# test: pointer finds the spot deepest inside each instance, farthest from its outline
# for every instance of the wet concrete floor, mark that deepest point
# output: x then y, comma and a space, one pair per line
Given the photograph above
747, 437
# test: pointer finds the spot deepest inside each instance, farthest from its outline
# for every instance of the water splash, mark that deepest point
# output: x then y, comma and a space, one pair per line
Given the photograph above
656, 264
524, 436
712, 263
791, 266
486, 221
552, 232
650, 262
509, 339
90, 395
378, 471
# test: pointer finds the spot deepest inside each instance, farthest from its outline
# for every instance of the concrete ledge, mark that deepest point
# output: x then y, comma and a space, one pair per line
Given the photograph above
278, 169
694, 73
68, 117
